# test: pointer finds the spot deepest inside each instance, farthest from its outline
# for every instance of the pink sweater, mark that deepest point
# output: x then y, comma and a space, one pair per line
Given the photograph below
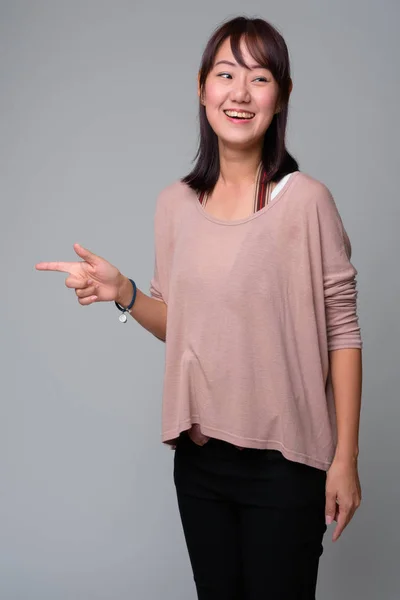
254, 307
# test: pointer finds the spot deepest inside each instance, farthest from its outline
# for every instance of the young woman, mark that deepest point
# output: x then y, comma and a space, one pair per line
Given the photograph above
255, 296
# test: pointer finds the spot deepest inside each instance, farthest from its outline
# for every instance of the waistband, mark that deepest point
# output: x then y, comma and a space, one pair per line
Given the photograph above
219, 447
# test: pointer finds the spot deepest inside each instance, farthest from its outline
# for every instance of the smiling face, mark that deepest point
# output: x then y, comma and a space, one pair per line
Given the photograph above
253, 93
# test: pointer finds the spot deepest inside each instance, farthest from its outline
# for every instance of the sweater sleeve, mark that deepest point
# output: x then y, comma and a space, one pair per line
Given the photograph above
162, 251
339, 276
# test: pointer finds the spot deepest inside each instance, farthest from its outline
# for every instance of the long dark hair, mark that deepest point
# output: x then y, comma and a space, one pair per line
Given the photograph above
268, 48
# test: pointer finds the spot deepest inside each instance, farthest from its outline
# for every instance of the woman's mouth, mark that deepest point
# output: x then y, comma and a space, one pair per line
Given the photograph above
236, 116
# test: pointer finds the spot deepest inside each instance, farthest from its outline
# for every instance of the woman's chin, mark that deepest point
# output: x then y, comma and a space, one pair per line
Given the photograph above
238, 142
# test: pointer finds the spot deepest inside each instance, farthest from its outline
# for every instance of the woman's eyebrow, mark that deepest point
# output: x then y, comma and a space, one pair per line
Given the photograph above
232, 64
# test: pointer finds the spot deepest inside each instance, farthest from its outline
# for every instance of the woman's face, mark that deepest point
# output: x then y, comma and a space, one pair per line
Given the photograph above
230, 86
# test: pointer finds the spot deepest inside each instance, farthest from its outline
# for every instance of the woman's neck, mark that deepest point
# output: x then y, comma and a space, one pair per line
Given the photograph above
236, 169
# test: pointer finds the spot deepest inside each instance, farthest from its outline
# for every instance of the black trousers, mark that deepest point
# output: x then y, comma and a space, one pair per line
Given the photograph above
253, 521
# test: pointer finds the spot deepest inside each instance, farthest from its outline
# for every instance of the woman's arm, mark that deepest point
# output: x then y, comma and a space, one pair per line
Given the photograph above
147, 311
344, 344
343, 489
346, 375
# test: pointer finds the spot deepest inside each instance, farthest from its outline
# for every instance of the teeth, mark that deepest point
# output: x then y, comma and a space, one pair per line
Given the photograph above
243, 115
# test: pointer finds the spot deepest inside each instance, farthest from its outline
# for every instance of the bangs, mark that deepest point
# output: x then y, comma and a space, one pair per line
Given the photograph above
254, 47
261, 47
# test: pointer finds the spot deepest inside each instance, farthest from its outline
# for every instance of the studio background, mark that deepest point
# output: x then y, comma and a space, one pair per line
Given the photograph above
98, 112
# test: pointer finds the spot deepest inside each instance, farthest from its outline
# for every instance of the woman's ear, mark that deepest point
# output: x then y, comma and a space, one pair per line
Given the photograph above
198, 88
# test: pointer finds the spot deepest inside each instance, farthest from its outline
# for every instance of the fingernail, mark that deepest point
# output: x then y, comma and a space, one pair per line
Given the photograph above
328, 519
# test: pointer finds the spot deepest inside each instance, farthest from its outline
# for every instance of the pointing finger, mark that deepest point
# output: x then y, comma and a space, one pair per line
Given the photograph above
64, 267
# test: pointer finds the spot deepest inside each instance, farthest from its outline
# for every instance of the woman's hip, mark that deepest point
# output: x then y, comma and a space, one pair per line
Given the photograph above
257, 477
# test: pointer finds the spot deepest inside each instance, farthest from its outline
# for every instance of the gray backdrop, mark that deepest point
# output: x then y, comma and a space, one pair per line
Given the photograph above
98, 114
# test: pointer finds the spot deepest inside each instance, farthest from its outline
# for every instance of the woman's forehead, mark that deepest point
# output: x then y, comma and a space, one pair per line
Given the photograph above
224, 52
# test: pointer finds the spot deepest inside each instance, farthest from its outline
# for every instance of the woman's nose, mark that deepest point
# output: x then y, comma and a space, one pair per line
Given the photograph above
239, 92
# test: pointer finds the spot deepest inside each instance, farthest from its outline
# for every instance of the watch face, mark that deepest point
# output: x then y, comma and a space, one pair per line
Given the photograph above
123, 318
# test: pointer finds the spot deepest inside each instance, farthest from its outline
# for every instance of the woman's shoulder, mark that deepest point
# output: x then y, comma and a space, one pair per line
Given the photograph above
311, 185
314, 193
173, 193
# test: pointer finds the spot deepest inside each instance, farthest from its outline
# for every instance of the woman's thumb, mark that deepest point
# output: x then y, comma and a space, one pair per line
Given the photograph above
330, 507
85, 253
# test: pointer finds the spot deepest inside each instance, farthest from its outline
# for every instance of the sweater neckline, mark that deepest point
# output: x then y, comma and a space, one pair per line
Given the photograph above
258, 213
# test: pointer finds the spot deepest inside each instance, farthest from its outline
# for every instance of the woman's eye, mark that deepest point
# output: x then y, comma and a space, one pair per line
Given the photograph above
229, 75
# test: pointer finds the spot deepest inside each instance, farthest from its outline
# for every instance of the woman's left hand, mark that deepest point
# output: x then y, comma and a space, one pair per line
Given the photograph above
343, 493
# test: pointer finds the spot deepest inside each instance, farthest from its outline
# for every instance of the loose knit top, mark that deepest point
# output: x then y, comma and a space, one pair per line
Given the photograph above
254, 305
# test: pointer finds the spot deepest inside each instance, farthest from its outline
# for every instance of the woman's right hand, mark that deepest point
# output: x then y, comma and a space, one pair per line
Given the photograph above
94, 279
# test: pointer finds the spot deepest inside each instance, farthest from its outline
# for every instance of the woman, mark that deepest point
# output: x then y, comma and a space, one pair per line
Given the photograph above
262, 384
